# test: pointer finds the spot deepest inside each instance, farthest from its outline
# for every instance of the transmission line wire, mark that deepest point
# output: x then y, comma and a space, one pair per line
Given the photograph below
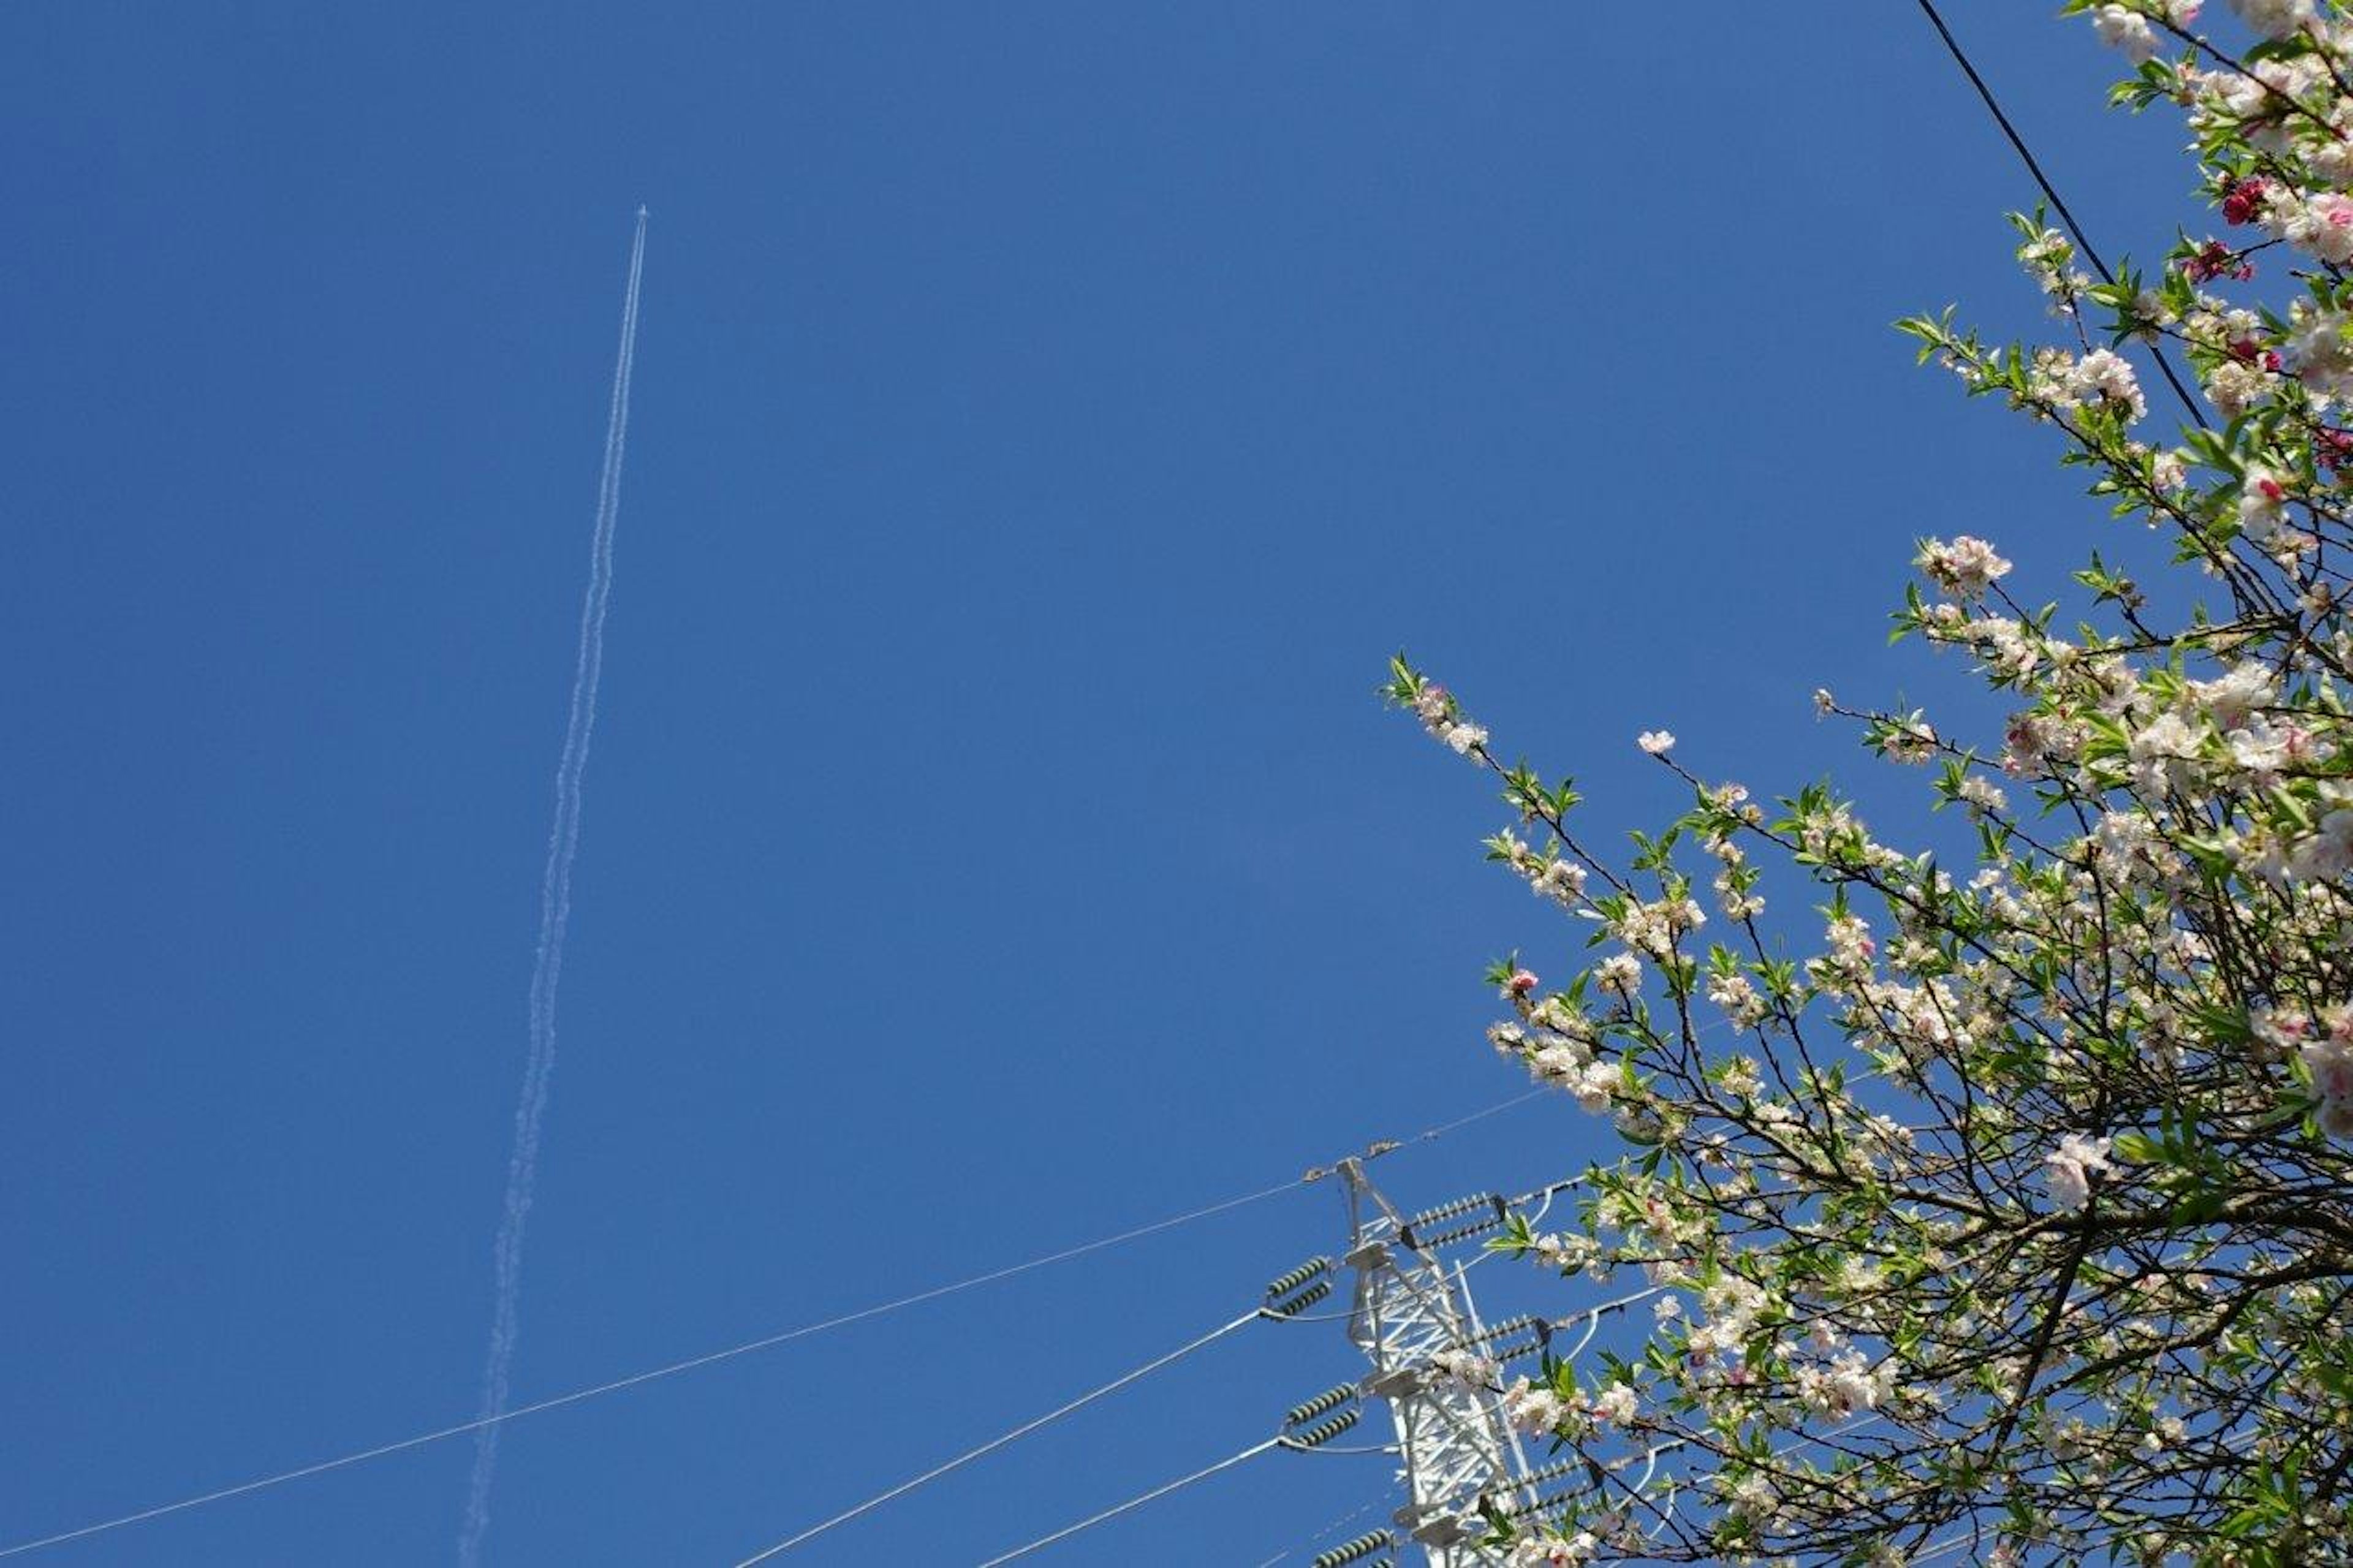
632, 1380
994, 1444
1324, 1533
1591, 1317
904, 1488
1135, 1503
2050, 191
672, 1369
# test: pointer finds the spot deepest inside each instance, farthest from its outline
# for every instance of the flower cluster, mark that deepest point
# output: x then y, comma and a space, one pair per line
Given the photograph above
2069, 1169
1442, 717
1557, 1056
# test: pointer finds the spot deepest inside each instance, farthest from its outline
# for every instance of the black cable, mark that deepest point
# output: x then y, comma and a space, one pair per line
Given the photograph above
2051, 194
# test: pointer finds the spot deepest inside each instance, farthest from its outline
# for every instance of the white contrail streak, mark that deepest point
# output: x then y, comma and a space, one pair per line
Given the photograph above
555, 912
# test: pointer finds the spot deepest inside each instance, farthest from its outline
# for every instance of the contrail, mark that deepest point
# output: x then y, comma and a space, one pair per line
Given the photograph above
555, 910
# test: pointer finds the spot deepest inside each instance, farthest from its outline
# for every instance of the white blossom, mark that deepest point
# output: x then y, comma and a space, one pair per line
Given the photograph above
1967, 566
1534, 1407
2127, 30
2104, 377
1616, 1405
1466, 1369
2068, 1169
2274, 18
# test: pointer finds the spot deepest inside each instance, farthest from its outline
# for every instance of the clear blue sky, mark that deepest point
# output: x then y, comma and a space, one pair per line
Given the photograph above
1049, 417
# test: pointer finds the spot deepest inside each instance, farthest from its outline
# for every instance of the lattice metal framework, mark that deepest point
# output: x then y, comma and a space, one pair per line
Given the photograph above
1455, 1444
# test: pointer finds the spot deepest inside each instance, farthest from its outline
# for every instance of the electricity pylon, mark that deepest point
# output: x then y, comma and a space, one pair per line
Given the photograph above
1455, 1445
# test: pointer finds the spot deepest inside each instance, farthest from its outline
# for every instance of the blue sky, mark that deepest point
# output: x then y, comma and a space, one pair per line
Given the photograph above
1048, 419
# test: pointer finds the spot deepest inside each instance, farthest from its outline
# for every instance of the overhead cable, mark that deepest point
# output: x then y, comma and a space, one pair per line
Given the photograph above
672, 1369
1325, 1532
2050, 191
1133, 1503
937, 1471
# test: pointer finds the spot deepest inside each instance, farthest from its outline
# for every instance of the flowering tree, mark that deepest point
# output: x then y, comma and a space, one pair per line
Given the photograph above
2011, 1221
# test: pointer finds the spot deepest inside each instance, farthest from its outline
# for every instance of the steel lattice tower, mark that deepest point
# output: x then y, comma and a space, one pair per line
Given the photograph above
1456, 1447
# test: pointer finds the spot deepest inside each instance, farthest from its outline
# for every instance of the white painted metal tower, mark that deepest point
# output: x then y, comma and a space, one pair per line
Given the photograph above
1454, 1443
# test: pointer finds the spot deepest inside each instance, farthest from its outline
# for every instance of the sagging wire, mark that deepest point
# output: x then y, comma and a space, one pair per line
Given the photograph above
1649, 1458
1004, 1440
2051, 194
672, 1369
1132, 1504
1275, 1309
1339, 1416
1330, 1529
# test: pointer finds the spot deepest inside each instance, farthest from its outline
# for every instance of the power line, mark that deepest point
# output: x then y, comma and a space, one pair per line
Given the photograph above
2050, 191
1009, 1437
1590, 1319
1135, 1503
1288, 1285
672, 1369
2025, 154
1293, 1284
904, 1488
1325, 1532
1443, 1128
